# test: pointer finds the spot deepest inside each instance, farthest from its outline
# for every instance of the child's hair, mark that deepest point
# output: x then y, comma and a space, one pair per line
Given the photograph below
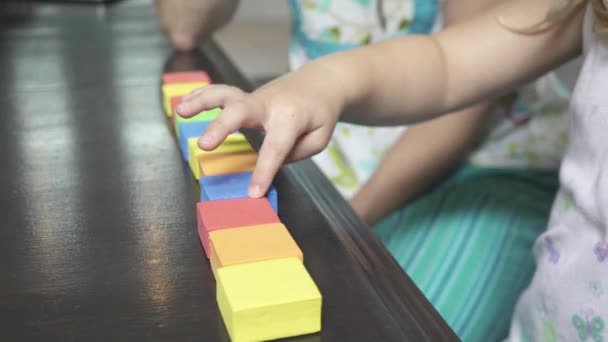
563, 10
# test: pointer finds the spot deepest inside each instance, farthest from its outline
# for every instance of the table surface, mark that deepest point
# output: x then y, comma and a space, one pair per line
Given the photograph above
98, 235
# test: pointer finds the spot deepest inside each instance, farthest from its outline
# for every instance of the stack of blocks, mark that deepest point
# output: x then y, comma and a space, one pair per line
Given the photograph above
264, 291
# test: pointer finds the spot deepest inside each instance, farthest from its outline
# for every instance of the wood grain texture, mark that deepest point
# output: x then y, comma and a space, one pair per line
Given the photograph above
98, 238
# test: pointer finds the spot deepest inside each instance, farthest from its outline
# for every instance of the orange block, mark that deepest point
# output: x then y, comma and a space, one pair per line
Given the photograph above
221, 164
242, 245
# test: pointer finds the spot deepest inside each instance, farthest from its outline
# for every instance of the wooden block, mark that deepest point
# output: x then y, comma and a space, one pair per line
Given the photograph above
232, 213
268, 300
186, 77
190, 130
193, 152
250, 244
236, 139
177, 89
175, 100
207, 115
234, 144
233, 185
222, 164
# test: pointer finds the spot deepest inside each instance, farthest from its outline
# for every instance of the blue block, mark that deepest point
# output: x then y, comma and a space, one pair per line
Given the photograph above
190, 130
232, 185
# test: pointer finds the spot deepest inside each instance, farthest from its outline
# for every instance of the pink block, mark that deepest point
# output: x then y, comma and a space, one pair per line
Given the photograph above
186, 77
232, 213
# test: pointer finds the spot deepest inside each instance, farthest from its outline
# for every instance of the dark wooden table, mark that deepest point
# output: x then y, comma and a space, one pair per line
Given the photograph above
98, 237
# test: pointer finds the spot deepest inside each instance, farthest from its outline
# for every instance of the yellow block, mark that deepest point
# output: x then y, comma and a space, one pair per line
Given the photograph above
267, 300
235, 139
235, 146
177, 89
250, 244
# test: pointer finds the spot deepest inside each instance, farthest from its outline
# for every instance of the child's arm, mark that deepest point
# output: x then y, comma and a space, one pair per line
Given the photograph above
476, 60
186, 22
426, 152
423, 155
468, 62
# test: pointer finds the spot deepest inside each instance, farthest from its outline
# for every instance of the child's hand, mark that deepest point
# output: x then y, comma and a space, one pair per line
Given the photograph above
298, 112
186, 22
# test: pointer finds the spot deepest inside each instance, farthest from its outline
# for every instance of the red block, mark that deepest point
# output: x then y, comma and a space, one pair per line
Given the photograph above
186, 77
175, 100
232, 213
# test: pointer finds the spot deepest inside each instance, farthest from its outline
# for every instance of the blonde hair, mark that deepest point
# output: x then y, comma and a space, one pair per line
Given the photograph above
562, 11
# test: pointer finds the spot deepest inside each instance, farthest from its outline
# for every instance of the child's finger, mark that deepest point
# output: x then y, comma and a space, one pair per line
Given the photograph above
192, 94
309, 144
206, 98
276, 146
233, 117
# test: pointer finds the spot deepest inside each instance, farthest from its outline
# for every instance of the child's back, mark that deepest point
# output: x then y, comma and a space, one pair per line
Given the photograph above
566, 300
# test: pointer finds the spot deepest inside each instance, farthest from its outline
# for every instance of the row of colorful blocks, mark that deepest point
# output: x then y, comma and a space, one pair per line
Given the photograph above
263, 289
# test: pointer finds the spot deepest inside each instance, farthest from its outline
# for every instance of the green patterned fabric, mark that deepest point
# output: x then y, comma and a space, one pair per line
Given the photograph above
468, 244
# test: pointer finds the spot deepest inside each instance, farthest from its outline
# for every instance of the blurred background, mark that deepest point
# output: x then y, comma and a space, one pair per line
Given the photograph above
256, 40
258, 37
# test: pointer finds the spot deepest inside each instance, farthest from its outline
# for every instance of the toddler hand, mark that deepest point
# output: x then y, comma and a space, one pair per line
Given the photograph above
186, 22
298, 112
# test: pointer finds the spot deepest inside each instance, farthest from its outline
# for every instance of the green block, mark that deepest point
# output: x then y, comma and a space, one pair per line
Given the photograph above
202, 116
